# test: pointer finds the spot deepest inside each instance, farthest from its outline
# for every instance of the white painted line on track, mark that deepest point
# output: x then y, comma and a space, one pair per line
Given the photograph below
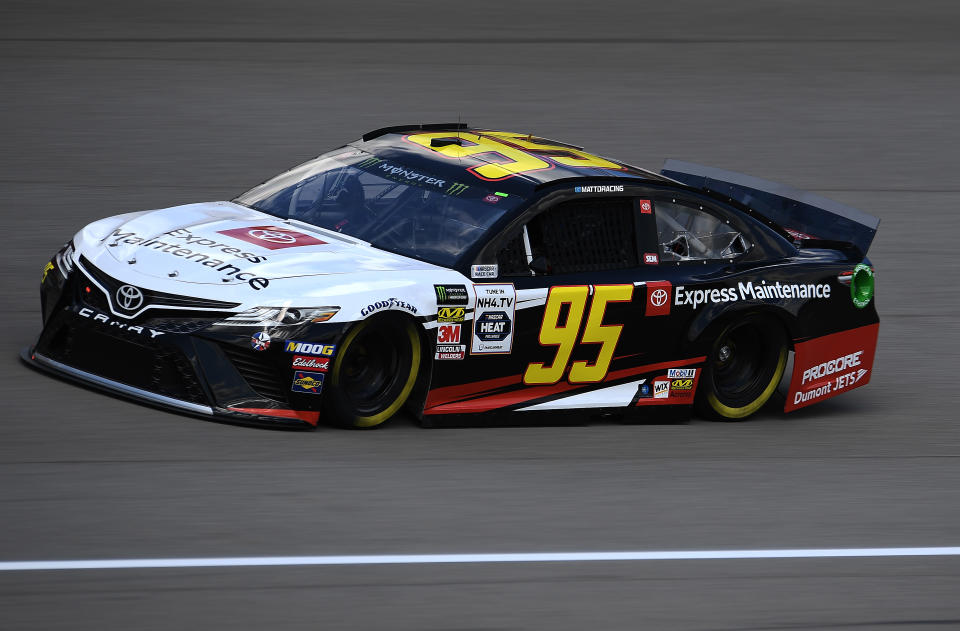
519, 557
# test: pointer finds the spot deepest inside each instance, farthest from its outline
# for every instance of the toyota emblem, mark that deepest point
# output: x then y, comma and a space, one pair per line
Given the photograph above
659, 297
129, 298
272, 236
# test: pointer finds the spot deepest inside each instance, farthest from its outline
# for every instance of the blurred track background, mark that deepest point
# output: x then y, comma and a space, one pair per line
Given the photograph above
110, 107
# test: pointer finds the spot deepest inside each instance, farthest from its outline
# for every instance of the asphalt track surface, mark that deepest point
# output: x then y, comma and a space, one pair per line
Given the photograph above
128, 105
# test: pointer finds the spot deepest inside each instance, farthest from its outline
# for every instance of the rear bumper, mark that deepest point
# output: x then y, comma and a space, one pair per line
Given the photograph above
261, 417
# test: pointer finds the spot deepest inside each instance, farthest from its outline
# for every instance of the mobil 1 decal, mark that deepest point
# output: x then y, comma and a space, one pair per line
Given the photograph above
493, 318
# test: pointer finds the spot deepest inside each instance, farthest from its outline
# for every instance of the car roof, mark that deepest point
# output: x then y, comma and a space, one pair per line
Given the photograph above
517, 162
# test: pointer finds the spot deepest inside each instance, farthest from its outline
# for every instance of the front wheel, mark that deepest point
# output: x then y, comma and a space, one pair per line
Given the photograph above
374, 372
744, 368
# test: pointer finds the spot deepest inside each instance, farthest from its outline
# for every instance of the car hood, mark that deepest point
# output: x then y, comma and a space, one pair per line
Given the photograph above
223, 243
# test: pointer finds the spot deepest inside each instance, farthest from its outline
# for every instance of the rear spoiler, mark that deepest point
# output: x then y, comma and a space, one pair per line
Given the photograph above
803, 215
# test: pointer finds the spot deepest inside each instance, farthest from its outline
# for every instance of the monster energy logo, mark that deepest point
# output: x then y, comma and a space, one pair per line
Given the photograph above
456, 189
369, 162
451, 294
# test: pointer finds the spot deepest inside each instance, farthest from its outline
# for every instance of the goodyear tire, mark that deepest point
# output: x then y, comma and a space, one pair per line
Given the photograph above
744, 368
374, 372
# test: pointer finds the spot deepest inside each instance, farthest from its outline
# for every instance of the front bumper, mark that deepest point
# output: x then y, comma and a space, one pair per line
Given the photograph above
278, 418
171, 358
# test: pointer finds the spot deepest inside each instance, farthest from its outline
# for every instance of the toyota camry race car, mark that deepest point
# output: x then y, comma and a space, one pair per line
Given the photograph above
468, 274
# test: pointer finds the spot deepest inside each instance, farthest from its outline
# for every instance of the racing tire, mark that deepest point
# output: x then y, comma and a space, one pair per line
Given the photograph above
374, 372
744, 368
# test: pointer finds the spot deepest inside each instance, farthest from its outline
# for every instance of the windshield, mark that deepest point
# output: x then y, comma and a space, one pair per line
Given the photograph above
404, 210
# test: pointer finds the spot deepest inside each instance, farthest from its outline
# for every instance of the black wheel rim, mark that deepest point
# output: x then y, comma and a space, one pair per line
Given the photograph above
743, 363
372, 370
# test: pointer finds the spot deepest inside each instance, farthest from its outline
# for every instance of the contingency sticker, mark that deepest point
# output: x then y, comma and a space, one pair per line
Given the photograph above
493, 319
307, 382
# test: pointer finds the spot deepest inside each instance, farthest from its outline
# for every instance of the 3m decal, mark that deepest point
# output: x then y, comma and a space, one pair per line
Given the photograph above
830, 365
311, 363
306, 382
451, 314
564, 336
658, 298
272, 237
493, 318
260, 341
451, 294
309, 348
448, 334
507, 154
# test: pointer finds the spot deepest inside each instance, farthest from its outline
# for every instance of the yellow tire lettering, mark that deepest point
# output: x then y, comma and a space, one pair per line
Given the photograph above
563, 337
596, 332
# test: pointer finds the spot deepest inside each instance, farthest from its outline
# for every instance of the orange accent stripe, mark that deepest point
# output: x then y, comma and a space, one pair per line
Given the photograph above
310, 417
494, 401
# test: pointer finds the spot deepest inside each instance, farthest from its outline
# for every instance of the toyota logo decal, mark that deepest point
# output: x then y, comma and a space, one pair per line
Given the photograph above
272, 236
659, 297
129, 298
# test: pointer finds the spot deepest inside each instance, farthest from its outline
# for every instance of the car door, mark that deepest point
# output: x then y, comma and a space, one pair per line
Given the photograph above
591, 309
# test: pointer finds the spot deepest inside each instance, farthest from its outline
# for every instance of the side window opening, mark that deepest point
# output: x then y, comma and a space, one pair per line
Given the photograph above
512, 258
688, 233
584, 236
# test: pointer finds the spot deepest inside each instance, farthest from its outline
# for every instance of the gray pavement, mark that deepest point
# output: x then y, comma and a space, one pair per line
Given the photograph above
111, 107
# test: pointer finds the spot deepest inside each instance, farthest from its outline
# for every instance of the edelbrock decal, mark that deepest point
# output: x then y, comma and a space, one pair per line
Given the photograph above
311, 363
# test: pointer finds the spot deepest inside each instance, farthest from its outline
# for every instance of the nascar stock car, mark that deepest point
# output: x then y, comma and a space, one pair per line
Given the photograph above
468, 274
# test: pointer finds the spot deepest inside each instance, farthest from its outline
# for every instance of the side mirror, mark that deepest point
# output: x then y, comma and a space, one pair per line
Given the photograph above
540, 265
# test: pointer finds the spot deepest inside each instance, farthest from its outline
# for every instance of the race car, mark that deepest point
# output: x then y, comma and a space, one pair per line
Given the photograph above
468, 275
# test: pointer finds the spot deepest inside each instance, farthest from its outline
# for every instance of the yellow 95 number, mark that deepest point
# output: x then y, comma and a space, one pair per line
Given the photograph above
564, 336
514, 153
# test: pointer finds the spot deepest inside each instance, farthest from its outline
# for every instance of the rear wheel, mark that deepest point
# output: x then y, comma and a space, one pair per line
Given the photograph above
374, 372
744, 368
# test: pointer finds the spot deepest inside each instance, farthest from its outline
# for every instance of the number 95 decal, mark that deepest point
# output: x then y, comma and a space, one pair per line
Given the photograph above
564, 336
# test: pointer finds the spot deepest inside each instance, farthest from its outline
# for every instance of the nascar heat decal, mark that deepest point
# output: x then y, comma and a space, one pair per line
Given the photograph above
493, 318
